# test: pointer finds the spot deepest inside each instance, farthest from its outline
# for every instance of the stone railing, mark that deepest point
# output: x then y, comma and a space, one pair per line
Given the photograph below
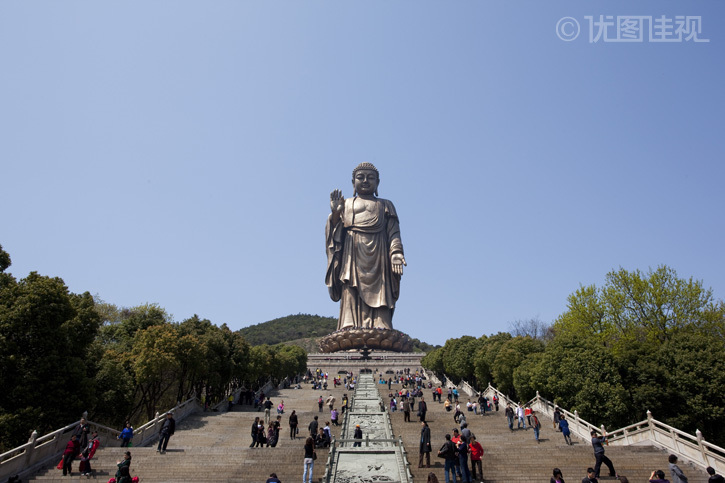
649, 431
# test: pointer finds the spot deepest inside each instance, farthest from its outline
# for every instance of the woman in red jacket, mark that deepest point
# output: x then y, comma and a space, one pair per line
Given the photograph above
476, 454
71, 451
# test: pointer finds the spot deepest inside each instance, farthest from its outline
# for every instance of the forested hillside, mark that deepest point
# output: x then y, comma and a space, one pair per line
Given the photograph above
303, 330
289, 328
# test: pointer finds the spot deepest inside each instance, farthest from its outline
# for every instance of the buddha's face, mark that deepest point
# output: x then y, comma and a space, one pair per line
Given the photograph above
365, 182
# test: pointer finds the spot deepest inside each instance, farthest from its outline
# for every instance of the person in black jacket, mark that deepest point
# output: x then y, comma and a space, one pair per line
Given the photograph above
255, 432
424, 445
714, 477
422, 409
591, 476
167, 430
448, 451
293, 425
358, 435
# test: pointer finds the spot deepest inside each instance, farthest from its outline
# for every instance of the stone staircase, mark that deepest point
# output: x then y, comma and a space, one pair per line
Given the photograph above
214, 447
512, 457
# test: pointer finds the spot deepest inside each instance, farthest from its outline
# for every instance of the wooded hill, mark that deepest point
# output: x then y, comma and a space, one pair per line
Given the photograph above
303, 330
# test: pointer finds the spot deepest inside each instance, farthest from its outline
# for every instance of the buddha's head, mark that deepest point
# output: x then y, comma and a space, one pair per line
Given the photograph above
365, 179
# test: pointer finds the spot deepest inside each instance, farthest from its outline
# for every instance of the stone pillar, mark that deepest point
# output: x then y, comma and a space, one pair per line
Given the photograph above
31, 449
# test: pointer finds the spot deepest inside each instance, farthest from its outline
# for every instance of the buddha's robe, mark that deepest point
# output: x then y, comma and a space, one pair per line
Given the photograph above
359, 271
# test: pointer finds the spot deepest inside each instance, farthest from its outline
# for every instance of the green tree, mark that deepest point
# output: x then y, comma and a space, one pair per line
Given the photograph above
4, 260
633, 306
45, 334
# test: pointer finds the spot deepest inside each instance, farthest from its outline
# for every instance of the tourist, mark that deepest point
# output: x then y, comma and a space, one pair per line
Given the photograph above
465, 432
675, 472
457, 414
320, 403
321, 440
273, 478
591, 476
658, 476
344, 403
357, 435
432, 478
476, 451
558, 477
465, 472
313, 427
271, 436
88, 453
406, 410
333, 416
293, 422
599, 455
557, 417
520, 416
330, 401
422, 408
424, 449
167, 431
495, 401
255, 432
280, 408
536, 425
126, 435
510, 417
309, 461
455, 439
482, 404
267, 410
564, 428
277, 425
714, 477
527, 413
71, 451
448, 451
447, 405
261, 435
82, 431
123, 473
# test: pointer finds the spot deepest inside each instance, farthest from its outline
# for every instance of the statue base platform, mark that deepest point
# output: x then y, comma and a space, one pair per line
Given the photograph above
372, 339
385, 362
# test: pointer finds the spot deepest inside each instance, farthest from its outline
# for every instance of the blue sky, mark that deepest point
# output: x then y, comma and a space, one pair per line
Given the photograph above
182, 153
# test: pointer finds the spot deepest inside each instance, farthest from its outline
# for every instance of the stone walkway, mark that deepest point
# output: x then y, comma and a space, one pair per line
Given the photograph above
378, 456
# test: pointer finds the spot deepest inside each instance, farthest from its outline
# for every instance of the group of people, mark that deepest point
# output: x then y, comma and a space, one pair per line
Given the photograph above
457, 450
82, 445
266, 433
